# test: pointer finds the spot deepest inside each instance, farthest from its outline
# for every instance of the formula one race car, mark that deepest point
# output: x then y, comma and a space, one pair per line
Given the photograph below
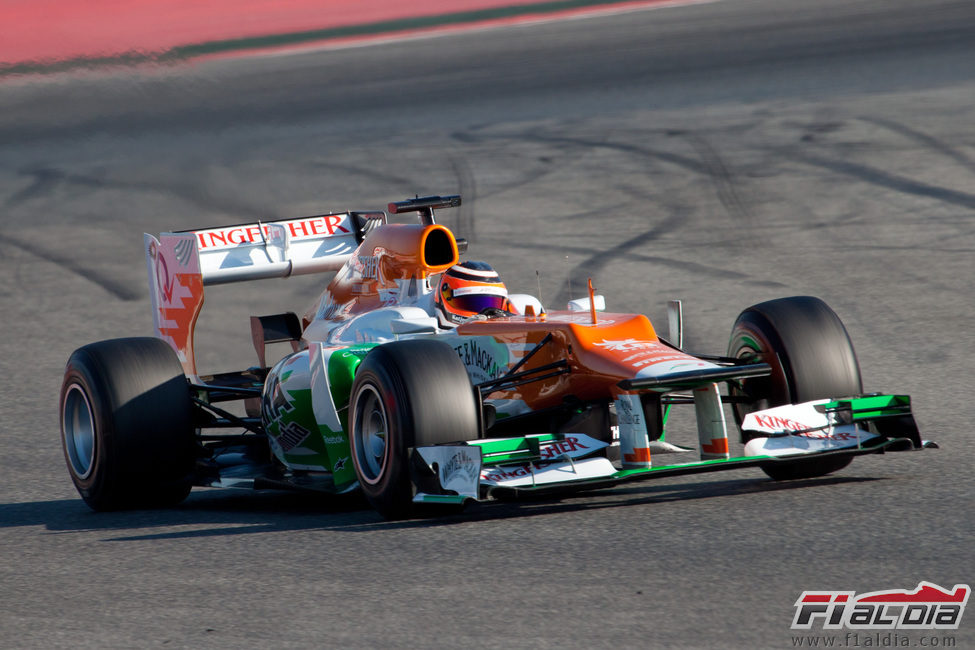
419, 379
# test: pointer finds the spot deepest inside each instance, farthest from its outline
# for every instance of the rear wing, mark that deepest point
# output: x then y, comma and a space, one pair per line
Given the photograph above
181, 264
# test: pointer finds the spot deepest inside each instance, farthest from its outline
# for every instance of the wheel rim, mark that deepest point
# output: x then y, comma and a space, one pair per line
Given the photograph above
78, 430
370, 435
747, 348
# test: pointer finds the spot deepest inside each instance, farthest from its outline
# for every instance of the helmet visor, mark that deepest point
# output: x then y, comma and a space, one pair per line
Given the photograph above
474, 303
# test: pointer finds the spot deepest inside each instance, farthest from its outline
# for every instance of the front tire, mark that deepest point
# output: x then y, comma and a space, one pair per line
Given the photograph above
406, 394
126, 424
811, 356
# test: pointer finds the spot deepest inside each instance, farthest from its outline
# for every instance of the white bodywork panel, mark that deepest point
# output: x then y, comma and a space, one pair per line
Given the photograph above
711, 428
378, 326
521, 301
528, 474
321, 393
675, 322
458, 467
662, 361
634, 440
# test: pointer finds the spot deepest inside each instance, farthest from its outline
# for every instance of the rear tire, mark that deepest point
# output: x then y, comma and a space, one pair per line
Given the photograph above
126, 424
811, 356
406, 394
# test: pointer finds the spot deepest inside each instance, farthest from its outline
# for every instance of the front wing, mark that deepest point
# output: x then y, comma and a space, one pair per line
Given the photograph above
543, 464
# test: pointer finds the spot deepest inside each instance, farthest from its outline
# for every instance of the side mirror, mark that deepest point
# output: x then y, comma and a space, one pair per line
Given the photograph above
582, 304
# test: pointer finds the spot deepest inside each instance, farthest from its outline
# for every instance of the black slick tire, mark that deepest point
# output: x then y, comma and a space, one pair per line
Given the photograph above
811, 356
126, 424
406, 394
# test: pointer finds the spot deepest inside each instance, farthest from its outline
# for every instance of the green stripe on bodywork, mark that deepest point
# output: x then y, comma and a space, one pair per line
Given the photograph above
494, 452
342, 366
663, 424
440, 498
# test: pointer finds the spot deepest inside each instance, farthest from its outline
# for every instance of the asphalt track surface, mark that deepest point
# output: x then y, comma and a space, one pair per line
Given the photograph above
722, 153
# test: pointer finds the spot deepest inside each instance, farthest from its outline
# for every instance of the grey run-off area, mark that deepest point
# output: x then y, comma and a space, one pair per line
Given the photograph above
721, 153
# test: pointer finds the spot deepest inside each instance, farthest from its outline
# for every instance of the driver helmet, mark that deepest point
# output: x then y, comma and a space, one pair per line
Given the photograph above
467, 289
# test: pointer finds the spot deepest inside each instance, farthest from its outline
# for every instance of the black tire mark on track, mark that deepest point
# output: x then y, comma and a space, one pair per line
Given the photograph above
370, 173
685, 265
925, 139
526, 177
115, 287
48, 179
891, 181
45, 181
589, 215
464, 224
591, 266
721, 177
643, 152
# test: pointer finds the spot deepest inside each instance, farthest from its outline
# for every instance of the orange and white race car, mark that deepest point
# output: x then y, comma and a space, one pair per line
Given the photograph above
418, 378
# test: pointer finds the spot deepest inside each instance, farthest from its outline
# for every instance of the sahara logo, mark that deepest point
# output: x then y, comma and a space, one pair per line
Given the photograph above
626, 345
464, 463
292, 435
184, 251
485, 359
928, 607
